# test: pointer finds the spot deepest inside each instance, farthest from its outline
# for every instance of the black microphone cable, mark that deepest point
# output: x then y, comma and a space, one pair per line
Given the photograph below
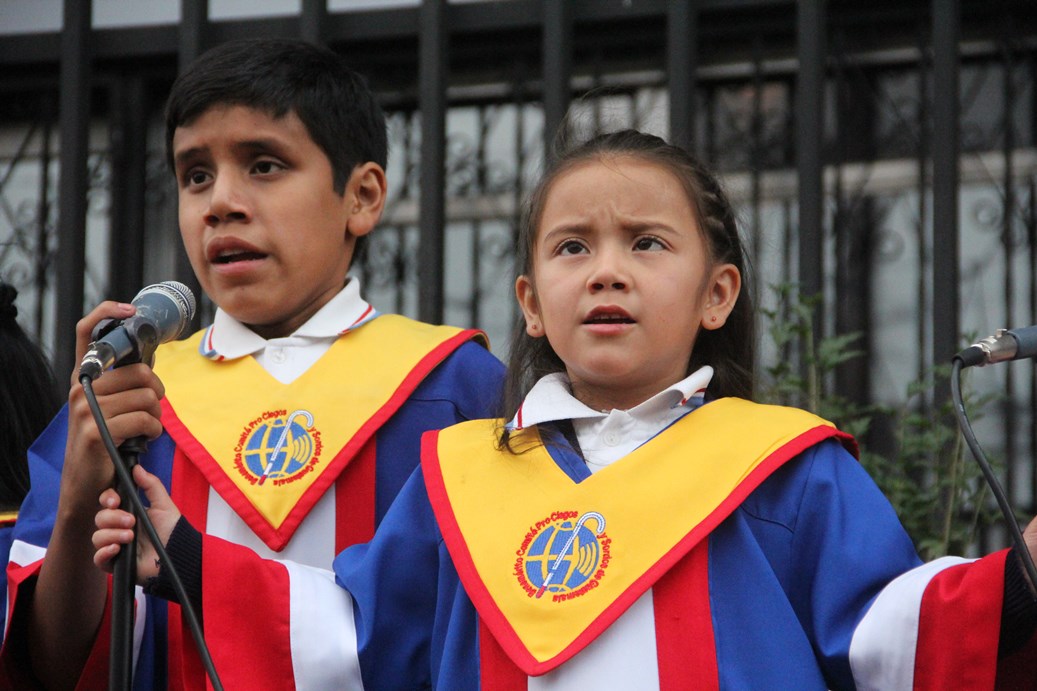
178, 586
958, 363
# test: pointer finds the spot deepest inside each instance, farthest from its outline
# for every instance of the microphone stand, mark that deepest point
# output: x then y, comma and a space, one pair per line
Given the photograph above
124, 566
124, 581
138, 344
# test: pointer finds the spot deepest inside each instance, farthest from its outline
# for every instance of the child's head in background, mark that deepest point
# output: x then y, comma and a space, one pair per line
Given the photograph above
633, 275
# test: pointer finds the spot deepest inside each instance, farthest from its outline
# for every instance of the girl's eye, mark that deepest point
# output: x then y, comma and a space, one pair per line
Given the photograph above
571, 247
648, 243
267, 167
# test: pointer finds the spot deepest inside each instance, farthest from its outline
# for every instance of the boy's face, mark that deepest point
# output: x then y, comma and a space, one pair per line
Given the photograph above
267, 234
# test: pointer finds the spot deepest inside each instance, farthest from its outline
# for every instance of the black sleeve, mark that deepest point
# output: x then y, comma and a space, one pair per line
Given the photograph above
1018, 609
185, 551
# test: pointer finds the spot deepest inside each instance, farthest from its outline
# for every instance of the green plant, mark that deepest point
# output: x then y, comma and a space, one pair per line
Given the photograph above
936, 490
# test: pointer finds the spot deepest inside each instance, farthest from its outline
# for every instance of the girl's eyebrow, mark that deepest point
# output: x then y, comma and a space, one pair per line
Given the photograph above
566, 229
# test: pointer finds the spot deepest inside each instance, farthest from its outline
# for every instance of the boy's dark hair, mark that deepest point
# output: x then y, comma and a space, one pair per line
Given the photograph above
280, 76
730, 349
29, 398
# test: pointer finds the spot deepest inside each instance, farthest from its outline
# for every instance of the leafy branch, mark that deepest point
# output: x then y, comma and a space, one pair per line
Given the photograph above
941, 498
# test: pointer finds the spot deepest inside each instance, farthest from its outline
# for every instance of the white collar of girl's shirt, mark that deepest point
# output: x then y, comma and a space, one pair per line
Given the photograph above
227, 338
551, 399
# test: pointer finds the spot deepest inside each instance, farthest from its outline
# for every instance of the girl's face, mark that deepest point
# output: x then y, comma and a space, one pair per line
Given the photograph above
622, 280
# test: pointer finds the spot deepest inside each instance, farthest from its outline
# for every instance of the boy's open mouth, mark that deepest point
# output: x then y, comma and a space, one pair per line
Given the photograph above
242, 256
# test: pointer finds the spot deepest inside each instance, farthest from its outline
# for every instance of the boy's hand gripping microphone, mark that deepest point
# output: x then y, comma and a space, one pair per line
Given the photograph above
163, 311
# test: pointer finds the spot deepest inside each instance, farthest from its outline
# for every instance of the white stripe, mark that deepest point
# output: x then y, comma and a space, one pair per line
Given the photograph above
882, 652
623, 657
23, 553
138, 623
323, 635
312, 544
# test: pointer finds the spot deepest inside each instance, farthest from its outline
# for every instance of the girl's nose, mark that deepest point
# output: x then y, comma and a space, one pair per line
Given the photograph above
614, 285
227, 202
608, 274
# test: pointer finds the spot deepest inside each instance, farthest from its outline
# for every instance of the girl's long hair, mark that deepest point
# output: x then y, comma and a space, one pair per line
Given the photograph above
730, 349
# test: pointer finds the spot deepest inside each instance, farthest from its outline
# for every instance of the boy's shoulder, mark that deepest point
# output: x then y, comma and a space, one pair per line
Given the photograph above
397, 326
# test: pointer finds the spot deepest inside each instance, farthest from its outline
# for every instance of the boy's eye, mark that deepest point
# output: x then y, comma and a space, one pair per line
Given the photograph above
267, 167
648, 243
196, 177
571, 247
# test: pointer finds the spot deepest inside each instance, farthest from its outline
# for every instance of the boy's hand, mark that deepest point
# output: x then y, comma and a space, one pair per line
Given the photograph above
115, 526
69, 600
129, 400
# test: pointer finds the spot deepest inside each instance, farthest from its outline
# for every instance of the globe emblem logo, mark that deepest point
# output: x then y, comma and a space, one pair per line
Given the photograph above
565, 556
281, 447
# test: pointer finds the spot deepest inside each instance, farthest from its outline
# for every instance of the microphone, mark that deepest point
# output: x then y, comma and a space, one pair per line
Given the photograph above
1004, 345
163, 311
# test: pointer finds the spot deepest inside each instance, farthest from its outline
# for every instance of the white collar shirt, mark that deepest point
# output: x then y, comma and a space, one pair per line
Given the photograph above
607, 436
286, 358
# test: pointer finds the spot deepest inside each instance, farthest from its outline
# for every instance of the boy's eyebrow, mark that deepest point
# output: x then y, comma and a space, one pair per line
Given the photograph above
248, 146
182, 157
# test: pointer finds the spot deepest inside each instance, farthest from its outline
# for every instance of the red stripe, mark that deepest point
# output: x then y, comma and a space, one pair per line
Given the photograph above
249, 633
358, 319
683, 625
190, 492
487, 606
683, 630
961, 611
355, 499
496, 670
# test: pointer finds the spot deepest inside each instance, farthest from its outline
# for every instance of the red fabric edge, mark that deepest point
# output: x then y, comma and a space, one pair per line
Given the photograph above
496, 669
355, 499
249, 633
684, 642
491, 613
961, 611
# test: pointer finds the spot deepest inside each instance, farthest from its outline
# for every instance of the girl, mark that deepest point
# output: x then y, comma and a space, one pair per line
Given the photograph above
638, 524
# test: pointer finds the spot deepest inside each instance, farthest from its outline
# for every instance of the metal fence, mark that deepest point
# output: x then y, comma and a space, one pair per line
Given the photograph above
882, 155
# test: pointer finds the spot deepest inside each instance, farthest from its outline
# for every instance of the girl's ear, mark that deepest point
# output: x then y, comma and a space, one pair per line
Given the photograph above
365, 193
527, 301
725, 283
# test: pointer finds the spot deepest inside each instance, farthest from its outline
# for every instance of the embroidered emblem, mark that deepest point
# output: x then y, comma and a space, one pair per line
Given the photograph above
274, 446
563, 555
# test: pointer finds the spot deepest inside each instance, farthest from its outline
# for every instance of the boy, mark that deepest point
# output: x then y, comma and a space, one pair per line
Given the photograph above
267, 425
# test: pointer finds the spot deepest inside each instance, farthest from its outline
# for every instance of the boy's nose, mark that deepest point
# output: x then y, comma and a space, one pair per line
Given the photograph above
226, 203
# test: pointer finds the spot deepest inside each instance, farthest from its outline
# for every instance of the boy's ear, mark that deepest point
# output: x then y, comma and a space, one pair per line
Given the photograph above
365, 191
527, 301
725, 283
